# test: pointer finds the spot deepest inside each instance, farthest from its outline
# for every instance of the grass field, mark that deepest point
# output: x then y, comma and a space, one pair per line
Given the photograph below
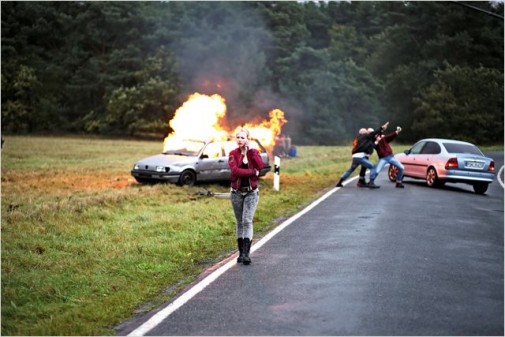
85, 247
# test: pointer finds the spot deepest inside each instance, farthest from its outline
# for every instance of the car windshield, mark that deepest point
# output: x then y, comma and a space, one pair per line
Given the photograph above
184, 147
462, 148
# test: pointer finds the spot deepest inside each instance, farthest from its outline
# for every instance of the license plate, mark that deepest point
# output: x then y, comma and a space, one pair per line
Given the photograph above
474, 164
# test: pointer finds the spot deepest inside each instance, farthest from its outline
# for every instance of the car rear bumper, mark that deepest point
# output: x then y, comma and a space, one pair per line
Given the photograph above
467, 176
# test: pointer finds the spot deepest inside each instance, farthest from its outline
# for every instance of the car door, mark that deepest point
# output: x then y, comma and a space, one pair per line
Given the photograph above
212, 164
411, 160
428, 157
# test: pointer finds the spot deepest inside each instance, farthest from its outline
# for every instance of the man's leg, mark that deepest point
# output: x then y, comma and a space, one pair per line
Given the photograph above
399, 177
380, 165
369, 165
347, 173
362, 177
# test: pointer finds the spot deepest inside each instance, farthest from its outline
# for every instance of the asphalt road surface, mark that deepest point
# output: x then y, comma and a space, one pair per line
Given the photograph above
413, 261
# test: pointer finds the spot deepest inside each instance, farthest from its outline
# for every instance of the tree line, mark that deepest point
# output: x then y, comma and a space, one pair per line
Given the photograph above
123, 68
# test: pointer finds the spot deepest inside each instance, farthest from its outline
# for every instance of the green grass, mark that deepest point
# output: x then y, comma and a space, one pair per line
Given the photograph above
84, 247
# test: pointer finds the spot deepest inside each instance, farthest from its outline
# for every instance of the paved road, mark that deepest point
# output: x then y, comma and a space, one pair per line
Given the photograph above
418, 261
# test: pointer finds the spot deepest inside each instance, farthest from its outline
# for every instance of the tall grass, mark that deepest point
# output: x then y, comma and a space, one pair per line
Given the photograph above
85, 247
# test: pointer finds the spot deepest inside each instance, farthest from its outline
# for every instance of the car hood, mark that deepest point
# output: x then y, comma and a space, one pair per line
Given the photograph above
166, 159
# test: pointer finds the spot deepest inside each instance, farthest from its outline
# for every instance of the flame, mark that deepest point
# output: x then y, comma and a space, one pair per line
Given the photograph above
202, 117
266, 131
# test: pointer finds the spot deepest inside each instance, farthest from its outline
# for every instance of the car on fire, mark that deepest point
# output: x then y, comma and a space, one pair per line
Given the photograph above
192, 161
445, 160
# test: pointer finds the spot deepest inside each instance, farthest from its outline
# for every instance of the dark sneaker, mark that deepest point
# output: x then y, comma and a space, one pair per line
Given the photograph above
339, 184
372, 185
362, 184
399, 185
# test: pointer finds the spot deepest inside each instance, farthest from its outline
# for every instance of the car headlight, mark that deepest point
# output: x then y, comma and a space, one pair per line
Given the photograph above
136, 166
162, 169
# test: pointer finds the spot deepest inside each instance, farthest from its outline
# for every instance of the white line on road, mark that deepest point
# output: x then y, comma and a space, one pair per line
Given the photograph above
499, 177
180, 301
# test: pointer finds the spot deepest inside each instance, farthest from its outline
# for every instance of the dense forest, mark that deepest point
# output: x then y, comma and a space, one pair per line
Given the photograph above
123, 68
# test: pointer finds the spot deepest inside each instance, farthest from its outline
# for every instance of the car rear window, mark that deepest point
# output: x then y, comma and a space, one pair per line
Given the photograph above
462, 148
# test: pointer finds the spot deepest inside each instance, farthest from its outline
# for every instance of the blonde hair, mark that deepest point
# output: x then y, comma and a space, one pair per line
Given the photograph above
244, 130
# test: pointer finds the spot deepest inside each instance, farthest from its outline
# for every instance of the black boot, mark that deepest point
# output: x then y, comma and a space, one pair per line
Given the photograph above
372, 185
362, 182
247, 247
240, 243
339, 183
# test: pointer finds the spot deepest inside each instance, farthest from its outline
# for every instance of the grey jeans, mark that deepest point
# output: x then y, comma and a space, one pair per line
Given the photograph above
244, 207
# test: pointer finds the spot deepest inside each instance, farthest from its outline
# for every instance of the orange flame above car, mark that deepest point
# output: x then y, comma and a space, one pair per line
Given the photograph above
202, 117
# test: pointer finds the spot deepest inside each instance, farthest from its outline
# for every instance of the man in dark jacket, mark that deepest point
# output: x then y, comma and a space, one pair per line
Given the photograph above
362, 172
386, 155
362, 148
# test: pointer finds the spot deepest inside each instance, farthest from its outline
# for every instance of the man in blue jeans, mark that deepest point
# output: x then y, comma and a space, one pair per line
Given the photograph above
386, 155
362, 147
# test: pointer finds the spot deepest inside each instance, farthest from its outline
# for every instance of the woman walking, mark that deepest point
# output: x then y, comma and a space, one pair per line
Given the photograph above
245, 164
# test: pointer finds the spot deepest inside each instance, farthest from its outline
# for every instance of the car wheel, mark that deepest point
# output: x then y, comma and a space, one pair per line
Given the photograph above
432, 178
392, 173
480, 188
188, 177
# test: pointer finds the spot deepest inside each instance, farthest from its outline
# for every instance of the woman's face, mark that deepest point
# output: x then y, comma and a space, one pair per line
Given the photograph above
241, 138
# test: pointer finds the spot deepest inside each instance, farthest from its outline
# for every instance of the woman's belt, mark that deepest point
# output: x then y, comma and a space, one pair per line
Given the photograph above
244, 189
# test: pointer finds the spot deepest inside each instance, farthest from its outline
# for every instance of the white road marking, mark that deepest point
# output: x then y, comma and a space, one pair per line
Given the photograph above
499, 177
156, 319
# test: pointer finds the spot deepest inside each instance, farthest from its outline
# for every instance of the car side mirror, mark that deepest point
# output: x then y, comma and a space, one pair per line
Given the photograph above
407, 152
204, 156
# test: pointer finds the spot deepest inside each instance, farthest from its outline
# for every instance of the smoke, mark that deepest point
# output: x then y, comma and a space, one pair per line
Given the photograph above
222, 49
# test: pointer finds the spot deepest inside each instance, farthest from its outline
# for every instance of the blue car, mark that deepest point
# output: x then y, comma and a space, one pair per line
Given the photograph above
445, 160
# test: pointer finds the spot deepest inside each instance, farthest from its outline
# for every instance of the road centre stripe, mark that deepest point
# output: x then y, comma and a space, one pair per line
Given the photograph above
156, 319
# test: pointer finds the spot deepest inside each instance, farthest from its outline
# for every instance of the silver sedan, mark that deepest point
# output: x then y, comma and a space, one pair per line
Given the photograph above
445, 160
191, 162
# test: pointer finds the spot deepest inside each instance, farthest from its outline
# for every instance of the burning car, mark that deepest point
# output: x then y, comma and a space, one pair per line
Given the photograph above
189, 161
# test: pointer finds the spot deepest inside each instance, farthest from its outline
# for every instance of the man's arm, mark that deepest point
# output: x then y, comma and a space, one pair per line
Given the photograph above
389, 137
380, 129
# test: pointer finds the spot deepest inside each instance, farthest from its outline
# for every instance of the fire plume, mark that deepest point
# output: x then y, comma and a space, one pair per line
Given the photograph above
202, 117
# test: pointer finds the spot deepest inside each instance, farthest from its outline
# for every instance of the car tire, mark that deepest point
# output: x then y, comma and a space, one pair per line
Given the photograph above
188, 178
480, 188
432, 178
392, 173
